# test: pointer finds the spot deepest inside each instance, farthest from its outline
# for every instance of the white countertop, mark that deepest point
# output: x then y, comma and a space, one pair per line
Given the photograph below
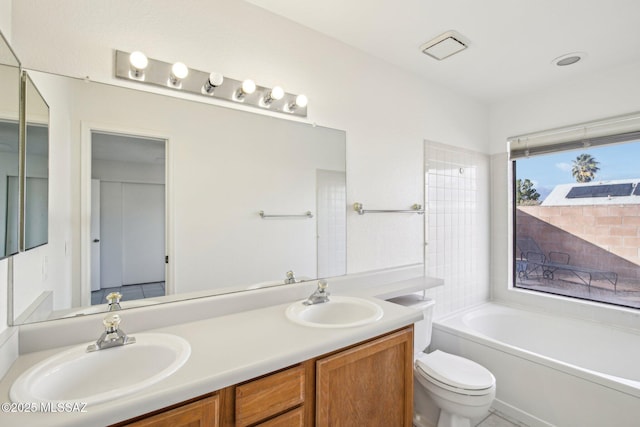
225, 350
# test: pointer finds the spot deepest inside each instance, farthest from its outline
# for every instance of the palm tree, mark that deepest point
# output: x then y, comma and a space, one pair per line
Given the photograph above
584, 168
526, 193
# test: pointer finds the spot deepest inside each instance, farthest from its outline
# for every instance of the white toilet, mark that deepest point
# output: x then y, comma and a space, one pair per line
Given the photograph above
461, 388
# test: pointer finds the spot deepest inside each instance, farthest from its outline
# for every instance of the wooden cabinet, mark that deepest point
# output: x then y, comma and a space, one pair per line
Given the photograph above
263, 398
368, 385
293, 418
201, 413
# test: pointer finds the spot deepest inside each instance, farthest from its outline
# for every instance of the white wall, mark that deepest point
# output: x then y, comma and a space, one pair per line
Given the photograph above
581, 99
5, 18
386, 112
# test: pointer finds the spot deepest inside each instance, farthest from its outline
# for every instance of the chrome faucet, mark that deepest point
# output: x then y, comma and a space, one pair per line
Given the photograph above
114, 301
320, 295
112, 336
291, 278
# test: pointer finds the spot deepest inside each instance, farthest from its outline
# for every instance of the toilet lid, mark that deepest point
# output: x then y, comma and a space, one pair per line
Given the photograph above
455, 371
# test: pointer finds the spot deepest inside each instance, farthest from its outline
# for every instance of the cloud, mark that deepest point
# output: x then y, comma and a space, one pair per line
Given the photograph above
565, 167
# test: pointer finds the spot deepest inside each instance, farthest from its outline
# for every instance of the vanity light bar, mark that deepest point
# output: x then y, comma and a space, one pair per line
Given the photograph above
179, 77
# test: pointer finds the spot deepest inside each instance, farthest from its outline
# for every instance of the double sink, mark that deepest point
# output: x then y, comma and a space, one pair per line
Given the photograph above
76, 375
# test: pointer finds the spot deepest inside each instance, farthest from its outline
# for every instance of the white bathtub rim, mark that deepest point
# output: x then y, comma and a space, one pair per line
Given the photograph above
544, 312
622, 385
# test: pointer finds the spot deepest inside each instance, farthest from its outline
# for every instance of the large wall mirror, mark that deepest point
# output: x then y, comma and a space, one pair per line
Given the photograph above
9, 149
36, 167
177, 199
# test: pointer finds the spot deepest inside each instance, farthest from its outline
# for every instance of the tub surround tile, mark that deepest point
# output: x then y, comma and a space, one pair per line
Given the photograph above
457, 220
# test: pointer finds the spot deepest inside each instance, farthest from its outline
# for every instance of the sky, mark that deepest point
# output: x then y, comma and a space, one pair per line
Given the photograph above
619, 161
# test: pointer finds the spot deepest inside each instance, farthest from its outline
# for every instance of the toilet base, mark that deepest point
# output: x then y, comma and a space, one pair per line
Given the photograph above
447, 419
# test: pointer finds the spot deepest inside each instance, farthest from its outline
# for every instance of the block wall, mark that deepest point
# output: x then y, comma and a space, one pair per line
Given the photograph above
602, 237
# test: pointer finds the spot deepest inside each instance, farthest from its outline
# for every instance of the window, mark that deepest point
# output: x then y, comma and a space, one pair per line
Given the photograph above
577, 220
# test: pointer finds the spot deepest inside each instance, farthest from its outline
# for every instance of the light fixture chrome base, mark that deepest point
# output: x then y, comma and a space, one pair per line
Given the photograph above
157, 73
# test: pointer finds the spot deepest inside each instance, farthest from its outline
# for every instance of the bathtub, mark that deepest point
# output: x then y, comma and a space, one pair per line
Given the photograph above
550, 370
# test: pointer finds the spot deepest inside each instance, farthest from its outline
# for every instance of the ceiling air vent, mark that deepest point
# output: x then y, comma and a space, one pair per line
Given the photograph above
444, 45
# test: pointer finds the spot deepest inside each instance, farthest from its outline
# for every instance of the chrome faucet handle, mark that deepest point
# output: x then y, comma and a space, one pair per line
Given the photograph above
112, 335
111, 323
290, 277
320, 295
114, 297
114, 301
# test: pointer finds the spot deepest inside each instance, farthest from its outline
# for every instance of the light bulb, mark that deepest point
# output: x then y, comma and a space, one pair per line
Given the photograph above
179, 71
301, 101
274, 94
277, 93
248, 87
138, 62
214, 80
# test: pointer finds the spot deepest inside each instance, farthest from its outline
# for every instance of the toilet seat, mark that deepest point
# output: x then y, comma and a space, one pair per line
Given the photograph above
455, 373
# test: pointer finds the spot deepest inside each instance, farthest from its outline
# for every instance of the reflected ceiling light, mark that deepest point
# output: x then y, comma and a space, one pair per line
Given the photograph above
300, 102
214, 80
247, 88
444, 45
138, 62
275, 94
179, 71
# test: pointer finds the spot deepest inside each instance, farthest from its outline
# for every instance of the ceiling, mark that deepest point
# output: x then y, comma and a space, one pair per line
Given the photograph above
124, 148
512, 42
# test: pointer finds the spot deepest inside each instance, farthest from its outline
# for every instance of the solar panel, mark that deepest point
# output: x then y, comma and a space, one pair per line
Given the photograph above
613, 190
636, 192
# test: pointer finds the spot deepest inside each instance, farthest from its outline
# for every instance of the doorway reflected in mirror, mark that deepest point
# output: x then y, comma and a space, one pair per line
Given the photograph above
127, 216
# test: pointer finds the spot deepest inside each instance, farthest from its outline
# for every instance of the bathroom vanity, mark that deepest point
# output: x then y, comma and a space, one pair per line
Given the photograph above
250, 367
319, 391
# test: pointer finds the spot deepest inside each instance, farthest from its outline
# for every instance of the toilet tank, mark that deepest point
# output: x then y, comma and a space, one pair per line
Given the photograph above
422, 328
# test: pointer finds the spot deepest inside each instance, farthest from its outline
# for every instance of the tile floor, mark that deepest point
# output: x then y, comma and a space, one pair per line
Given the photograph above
130, 292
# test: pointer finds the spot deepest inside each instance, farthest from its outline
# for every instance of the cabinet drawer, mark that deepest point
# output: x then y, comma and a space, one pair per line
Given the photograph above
268, 396
294, 418
203, 413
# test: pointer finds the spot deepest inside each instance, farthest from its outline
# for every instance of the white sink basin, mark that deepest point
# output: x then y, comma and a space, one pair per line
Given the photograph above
339, 312
96, 377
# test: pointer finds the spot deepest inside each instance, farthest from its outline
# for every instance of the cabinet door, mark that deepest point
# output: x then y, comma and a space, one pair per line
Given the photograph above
203, 413
367, 385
